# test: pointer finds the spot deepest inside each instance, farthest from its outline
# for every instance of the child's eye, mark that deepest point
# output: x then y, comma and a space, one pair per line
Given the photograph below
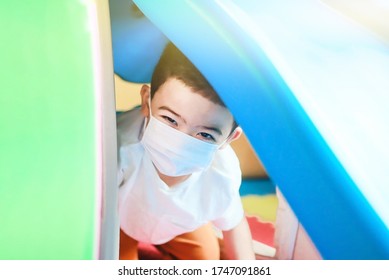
207, 137
170, 120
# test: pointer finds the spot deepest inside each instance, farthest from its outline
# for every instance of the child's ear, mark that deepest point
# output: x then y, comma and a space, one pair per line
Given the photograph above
145, 97
233, 136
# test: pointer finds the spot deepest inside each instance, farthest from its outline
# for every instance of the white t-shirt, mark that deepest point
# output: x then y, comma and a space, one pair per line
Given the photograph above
152, 212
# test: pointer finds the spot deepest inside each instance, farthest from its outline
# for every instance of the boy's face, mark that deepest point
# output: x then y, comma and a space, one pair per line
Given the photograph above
180, 107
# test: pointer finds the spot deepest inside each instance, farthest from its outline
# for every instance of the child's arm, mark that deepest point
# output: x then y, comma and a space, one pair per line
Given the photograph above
238, 242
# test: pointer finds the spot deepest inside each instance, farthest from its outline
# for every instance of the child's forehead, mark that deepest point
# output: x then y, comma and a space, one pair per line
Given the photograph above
176, 91
174, 88
192, 106
175, 84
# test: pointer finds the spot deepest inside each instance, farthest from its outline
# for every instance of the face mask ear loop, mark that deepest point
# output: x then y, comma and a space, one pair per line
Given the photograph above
146, 120
221, 145
149, 103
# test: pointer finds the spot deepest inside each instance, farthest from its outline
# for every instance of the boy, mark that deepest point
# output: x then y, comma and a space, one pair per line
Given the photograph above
177, 173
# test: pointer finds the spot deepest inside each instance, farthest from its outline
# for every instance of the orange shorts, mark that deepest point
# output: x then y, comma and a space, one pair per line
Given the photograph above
201, 244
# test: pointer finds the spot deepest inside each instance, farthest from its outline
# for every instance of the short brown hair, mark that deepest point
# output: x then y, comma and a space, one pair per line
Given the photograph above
174, 64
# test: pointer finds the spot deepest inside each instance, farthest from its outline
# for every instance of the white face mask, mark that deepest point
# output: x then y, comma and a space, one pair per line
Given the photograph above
175, 153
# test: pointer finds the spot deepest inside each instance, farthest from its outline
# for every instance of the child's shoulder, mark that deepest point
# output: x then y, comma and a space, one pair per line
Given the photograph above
129, 125
227, 157
226, 164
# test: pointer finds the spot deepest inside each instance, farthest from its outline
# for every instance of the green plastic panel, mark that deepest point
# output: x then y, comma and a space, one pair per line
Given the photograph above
47, 131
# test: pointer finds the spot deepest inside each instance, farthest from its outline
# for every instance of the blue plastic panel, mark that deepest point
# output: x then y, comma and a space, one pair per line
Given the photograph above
273, 62
137, 44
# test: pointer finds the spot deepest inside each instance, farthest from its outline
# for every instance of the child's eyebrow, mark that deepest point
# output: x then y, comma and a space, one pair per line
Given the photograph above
215, 129
171, 111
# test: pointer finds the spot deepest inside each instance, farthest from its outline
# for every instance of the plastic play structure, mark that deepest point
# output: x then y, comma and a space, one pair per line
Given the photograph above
57, 118
308, 85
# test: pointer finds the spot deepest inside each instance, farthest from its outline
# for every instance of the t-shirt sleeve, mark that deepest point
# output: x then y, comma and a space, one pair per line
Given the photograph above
120, 168
233, 213
120, 175
232, 216
128, 126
